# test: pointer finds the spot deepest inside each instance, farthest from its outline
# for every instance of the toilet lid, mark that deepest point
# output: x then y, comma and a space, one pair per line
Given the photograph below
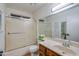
34, 47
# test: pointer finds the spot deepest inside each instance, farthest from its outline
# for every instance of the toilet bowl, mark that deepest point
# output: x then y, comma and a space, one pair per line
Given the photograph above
33, 50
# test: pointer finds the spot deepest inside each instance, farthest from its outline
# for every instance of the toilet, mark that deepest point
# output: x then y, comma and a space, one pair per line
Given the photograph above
33, 50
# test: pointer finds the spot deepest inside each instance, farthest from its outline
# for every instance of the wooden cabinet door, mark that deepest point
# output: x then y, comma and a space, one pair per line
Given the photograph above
41, 53
50, 53
42, 50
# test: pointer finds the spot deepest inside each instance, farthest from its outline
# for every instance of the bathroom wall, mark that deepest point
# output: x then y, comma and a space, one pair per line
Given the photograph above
2, 31
73, 23
44, 11
15, 11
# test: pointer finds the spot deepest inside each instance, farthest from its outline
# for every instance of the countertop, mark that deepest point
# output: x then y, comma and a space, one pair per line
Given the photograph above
51, 43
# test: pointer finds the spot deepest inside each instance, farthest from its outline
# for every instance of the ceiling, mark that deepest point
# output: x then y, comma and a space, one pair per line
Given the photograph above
30, 7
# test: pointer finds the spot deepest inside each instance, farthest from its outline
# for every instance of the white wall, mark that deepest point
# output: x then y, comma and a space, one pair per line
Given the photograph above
2, 33
10, 10
44, 11
73, 24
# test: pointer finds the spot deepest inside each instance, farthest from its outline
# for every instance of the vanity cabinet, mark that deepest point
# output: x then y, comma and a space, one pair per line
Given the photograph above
44, 51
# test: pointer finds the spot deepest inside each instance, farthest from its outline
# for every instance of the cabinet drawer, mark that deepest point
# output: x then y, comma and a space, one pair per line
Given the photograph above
50, 53
41, 48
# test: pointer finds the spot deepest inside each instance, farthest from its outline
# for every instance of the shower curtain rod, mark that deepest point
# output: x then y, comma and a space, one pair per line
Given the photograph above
18, 18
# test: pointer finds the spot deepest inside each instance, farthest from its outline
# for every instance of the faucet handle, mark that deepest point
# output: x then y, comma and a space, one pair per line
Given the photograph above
67, 34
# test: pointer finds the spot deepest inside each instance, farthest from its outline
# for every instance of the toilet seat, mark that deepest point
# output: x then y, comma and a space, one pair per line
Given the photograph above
33, 49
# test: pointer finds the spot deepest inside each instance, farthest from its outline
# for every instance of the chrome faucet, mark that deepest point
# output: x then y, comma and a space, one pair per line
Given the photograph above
66, 43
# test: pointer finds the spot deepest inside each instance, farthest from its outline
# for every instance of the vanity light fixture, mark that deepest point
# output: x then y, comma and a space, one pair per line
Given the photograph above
62, 7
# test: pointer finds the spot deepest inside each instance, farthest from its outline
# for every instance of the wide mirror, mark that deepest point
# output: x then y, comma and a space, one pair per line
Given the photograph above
63, 25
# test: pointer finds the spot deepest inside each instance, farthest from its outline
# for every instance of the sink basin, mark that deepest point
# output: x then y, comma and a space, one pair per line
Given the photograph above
64, 50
